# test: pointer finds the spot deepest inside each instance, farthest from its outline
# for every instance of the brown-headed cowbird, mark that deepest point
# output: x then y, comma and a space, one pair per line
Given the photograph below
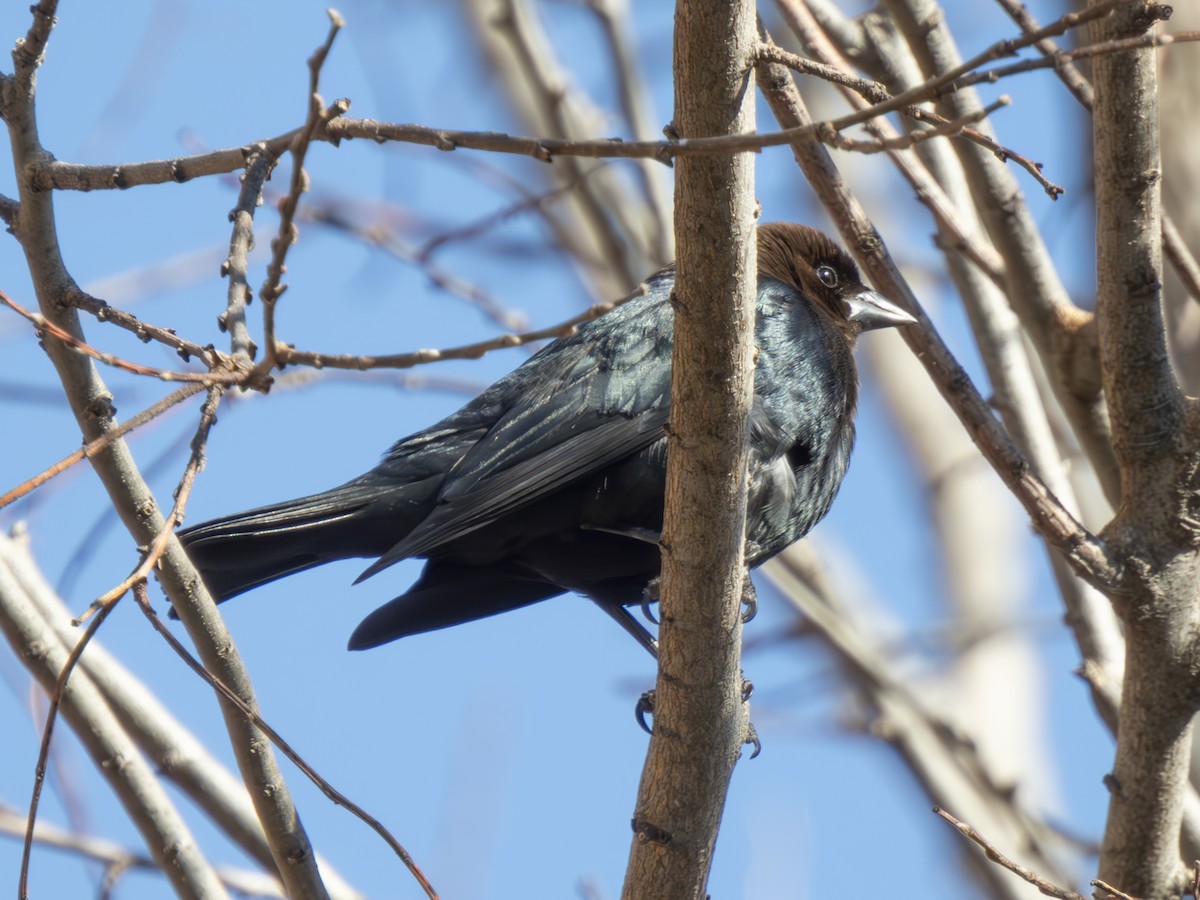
552, 479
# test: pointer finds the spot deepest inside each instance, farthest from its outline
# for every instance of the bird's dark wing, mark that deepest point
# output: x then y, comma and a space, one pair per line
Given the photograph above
541, 474
573, 415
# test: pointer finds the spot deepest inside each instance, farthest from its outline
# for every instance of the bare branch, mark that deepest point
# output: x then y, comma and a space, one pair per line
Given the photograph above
1044, 886
1004, 354
177, 754
318, 116
881, 101
1062, 530
45, 327
1157, 445
119, 858
95, 446
106, 603
259, 166
1181, 258
1061, 332
289, 355
166, 835
211, 357
143, 600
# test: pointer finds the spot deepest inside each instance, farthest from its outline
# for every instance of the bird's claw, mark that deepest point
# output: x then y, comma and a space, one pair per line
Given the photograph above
749, 599
645, 705
751, 731
752, 738
650, 595
750, 604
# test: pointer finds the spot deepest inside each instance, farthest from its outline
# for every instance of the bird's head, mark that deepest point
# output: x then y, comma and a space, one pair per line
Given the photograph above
810, 261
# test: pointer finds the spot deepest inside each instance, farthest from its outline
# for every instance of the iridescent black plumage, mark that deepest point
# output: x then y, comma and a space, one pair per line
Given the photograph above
552, 480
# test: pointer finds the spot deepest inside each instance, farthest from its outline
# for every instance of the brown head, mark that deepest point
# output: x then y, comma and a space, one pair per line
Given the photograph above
818, 267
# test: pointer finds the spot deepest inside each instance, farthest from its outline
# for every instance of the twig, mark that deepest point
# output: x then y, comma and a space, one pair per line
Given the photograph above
441, 277
1176, 249
259, 165
44, 326
318, 116
56, 175
177, 753
91, 448
1067, 71
104, 312
1050, 890
29, 52
143, 600
1113, 892
950, 78
8, 210
1087, 553
882, 102
90, 403
113, 855
949, 128
39, 771
291, 356
1086, 51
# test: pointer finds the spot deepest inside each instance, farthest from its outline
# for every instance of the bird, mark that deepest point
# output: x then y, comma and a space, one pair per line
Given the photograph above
552, 480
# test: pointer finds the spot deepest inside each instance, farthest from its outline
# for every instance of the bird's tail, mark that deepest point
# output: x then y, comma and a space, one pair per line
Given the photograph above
242, 551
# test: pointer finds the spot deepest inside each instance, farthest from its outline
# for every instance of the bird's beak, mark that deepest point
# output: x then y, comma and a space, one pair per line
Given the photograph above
868, 310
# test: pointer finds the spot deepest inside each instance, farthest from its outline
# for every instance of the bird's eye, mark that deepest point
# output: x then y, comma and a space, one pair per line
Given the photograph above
827, 275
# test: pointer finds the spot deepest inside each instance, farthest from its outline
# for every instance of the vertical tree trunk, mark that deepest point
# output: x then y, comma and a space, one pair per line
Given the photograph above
700, 717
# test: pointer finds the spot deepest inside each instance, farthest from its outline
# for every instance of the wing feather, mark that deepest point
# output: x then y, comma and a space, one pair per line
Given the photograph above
584, 417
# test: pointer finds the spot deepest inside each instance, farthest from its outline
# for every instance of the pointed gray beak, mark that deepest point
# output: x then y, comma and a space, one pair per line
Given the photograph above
868, 310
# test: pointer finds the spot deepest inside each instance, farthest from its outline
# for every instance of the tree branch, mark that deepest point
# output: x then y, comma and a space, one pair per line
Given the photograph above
92, 406
700, 720
149, 807
1061, 332
1157, 448
1088, 555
